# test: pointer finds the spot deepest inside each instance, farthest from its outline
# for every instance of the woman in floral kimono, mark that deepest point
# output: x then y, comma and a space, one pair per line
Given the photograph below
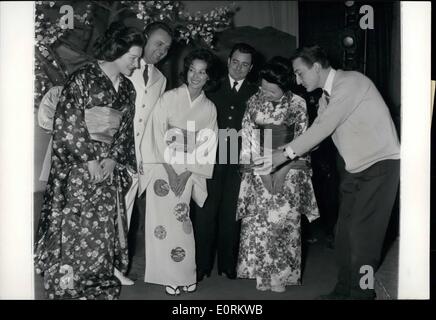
82, 230
180, 144
271, 206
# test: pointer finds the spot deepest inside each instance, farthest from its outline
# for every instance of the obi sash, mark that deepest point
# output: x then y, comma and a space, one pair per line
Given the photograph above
178, 139
102, 123
281, 134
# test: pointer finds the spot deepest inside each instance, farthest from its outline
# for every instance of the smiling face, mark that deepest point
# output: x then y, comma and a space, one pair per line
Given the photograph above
197, 75
239, 65
158, 44
308, 77
271, 91
129, 61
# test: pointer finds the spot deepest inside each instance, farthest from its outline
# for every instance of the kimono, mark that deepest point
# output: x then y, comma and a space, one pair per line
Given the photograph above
270, 242
82, 233
177, 130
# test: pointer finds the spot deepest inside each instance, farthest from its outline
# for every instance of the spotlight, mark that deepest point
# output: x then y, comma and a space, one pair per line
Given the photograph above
348, 42
349, 3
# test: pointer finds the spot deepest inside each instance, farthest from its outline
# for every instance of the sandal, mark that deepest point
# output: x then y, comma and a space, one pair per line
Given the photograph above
172, 291
191, 288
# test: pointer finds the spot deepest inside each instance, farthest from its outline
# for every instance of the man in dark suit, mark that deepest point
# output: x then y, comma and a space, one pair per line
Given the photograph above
354, 113
215, 227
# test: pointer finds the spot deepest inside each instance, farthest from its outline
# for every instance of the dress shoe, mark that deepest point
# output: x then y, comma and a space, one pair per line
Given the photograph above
229, 274
123, 279
201, 274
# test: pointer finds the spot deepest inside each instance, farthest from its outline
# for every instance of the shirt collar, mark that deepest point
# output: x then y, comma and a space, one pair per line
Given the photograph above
238, 86
329, 82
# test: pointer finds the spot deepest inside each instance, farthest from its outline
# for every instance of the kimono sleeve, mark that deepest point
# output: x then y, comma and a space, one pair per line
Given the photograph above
123, 146
248, 133
71, 139
205, 151
153, 144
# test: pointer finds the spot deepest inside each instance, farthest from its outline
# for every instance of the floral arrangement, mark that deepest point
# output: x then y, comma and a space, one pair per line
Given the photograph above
201, 27
46, 34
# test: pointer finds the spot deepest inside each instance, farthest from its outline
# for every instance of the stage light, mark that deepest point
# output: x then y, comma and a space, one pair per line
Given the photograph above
348, 42
349, 3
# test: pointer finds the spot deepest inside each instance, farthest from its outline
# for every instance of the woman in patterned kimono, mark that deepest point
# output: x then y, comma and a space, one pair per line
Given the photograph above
180, 142
271, 206
82, 230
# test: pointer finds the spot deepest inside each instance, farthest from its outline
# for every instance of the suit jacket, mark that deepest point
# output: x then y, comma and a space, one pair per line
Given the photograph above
230, 109
146, 98
358, 120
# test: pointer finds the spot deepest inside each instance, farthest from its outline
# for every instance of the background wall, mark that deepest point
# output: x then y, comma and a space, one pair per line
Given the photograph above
282, 15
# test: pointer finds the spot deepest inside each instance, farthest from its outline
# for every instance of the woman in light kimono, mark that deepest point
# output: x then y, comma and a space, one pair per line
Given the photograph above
178, 148
82, 232
271, 206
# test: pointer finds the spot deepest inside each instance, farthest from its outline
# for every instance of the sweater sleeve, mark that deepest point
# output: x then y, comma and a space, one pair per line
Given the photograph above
343, 101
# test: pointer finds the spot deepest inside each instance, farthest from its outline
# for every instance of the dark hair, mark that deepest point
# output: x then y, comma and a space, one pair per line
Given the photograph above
157, 25
278, 71
312, 54
116, 41
243, 48
212, 69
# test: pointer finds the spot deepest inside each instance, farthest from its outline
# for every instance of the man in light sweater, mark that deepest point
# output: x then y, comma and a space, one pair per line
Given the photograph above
353, 112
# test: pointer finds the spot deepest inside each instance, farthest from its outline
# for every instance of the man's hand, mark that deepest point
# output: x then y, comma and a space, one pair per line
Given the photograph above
267, 164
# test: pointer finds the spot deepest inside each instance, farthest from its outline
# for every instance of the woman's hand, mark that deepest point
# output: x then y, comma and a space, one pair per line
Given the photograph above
95, 171
173, 178
108, 166
182, 180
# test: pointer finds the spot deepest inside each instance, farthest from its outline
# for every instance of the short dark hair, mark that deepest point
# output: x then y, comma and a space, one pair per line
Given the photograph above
243, 48
116, 41
278, 71
212, 69
312, 54
157, 25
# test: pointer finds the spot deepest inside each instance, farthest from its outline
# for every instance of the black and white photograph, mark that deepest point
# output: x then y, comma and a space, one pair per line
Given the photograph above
218, 150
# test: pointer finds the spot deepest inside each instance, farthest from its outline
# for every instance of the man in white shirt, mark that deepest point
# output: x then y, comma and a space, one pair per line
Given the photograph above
149, 84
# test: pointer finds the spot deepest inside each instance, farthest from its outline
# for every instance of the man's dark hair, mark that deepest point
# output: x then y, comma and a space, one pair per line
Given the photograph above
312, 54
244, 48
116, 41
156, 25
278, 71
212, 69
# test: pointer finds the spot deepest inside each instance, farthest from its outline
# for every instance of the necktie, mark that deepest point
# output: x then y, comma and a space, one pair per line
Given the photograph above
234, 87
145, 75
327, 96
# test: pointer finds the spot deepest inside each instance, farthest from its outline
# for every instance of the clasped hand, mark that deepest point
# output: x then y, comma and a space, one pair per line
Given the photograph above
100, 171
178, 182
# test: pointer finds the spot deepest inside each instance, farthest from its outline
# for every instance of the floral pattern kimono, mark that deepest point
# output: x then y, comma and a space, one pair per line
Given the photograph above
270, 242
169, 238
83, 229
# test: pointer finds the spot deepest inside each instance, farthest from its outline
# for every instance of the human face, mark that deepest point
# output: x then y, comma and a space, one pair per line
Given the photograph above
129, 61
308, 77
271, 91
239, 65
197, 76
158, 44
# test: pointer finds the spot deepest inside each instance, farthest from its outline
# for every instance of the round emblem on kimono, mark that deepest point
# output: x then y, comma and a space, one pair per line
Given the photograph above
181, 211
160, 232
178, 254
161, 188
187, 226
